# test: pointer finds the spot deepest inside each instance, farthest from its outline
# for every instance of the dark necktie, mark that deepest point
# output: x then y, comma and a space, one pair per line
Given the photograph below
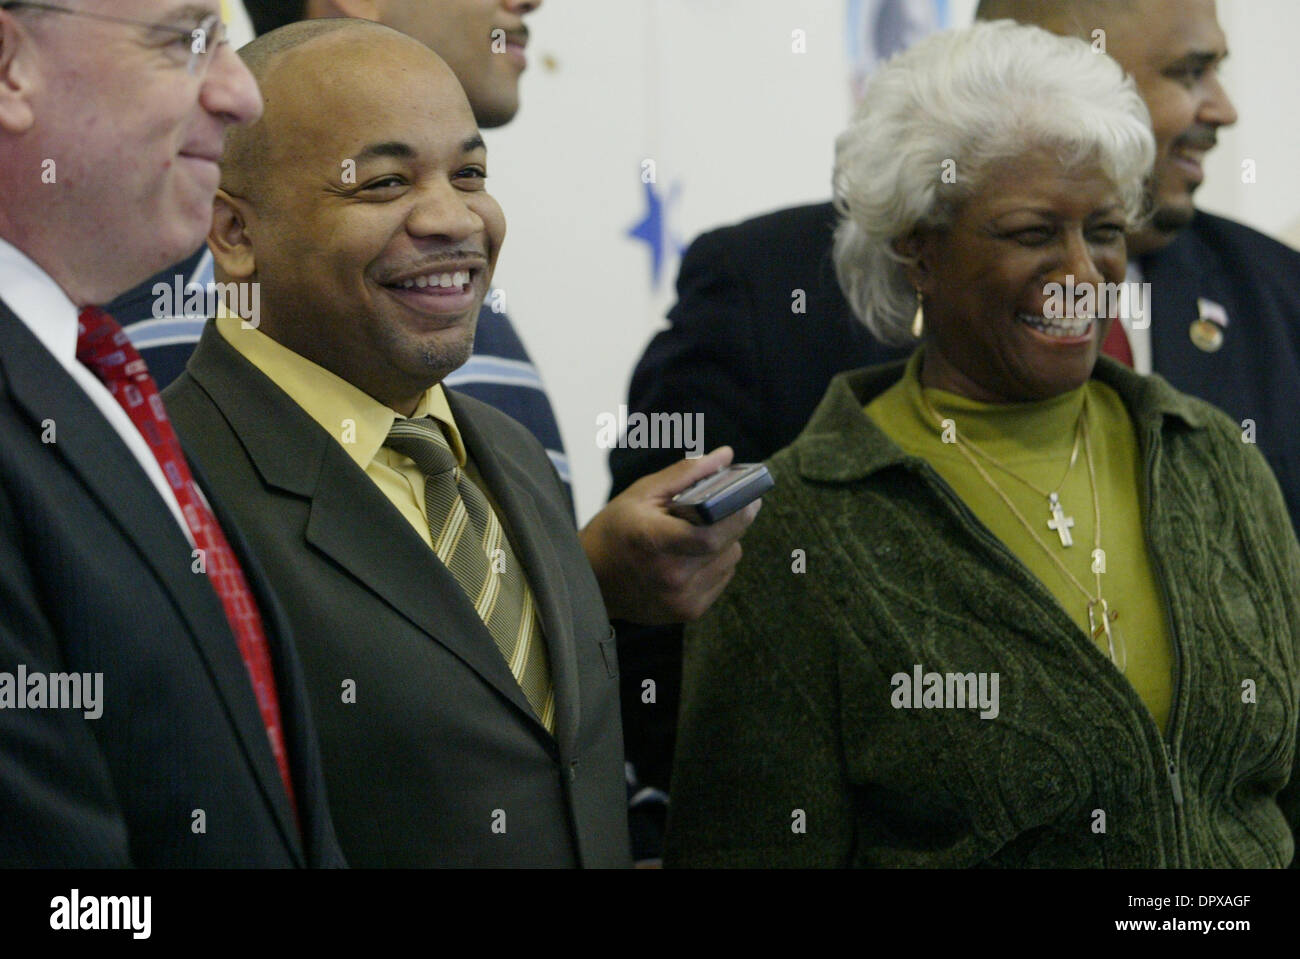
469, 540
103, 348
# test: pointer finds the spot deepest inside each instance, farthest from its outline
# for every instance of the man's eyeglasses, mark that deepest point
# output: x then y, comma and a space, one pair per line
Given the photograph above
191, 46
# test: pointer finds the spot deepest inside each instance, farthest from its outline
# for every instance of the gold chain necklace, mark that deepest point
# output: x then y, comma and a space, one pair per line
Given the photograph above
1060, 522
1100, 615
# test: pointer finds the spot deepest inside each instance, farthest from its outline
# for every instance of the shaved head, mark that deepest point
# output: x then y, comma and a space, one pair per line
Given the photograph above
1073, 18
358, 204
246, 154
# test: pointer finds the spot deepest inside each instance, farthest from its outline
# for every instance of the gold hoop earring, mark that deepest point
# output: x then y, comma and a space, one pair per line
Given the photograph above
918, 319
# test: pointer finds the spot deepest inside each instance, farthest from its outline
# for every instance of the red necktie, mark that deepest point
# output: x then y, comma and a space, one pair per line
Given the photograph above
1116, 344
103, 347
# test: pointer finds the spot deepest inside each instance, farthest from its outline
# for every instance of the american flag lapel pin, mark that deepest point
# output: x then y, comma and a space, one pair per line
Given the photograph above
1208, 329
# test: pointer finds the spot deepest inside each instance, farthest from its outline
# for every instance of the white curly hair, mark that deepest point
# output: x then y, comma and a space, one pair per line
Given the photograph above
962, 101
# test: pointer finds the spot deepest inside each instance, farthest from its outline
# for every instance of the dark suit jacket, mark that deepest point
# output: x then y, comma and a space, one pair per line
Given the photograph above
95, 577
735, 352
440, 743
1256, 373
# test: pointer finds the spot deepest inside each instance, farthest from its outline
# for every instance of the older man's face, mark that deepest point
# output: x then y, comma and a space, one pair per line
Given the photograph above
134, 136
1173, 49
482, 41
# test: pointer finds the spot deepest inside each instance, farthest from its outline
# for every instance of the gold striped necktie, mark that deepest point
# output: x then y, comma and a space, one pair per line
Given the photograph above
469, 541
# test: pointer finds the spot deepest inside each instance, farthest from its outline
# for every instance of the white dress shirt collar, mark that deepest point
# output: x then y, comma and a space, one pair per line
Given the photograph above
50, 314
39, 302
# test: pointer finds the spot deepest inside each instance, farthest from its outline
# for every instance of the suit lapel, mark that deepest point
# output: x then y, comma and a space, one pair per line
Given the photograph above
513, 490
114, 479
350, 520
355, 525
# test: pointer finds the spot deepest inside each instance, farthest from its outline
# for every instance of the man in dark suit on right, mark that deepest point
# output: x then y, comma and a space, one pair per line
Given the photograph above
457, 650
761, 325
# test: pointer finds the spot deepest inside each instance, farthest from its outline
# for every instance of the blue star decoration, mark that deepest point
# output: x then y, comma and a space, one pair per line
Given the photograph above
653, 231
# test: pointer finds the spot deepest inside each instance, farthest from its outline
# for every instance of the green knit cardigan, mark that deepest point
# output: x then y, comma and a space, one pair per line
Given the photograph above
795, 748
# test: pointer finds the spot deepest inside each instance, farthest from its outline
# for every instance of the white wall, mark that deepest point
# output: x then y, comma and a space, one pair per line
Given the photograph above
735, 122
739, 124
1261, 76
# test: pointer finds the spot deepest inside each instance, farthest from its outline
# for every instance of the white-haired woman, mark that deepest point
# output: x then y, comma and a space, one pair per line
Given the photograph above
1010, 603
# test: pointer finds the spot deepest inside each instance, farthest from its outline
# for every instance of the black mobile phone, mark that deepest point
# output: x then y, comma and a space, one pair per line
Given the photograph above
718, 496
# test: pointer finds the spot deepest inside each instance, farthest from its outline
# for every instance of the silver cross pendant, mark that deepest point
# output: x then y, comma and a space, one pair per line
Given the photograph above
1059, 521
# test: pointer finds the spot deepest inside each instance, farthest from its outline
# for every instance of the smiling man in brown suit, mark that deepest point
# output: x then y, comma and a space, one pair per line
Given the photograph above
457, 650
